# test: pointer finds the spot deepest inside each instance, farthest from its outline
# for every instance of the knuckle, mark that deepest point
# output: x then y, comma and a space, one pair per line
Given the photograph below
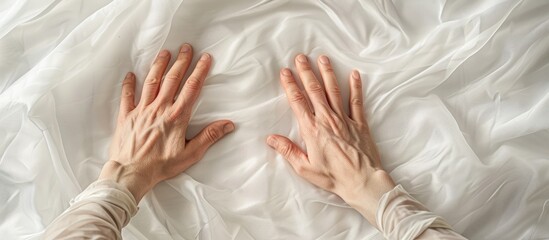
356, 84
329, 69
315, 88
173, 77
128, 93
356, 102
212, 134
285, 149
335, 91
152, 81
288, 80
296, 97
306, 67
193, 83
127, 90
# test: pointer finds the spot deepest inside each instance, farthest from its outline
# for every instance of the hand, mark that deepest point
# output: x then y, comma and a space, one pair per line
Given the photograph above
149, 143
341, 155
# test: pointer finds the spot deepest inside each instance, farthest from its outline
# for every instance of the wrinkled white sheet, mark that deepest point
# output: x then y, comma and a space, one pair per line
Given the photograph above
457, 94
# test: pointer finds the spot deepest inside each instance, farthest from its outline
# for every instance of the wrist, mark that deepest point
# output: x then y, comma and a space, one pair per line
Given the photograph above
365, 198
137, 184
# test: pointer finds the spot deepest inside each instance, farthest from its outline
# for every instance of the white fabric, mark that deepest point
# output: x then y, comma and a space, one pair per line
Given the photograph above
105, 207
456, 92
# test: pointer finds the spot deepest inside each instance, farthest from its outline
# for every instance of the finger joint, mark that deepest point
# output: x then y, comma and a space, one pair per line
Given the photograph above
335, 91
315, 88
296, 97
356, 102
329, 69
212, 134
193, 83
152, 81
173, 77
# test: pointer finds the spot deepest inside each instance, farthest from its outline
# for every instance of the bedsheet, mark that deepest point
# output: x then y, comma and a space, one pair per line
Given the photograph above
457, 96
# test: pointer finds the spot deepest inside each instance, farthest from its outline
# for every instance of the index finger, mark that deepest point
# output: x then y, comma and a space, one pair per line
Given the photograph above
191, 88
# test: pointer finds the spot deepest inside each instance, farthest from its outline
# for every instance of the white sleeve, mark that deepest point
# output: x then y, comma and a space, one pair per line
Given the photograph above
99, 212
400, 216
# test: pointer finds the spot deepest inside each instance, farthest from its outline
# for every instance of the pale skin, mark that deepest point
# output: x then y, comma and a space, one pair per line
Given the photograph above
341, 155
150, 146
149, 143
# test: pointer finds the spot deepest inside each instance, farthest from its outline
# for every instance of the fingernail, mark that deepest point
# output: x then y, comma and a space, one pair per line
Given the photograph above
164, 53
301, 58
129, 75
286, 72
324, 60
205, 56
228, 127
185, 48
271, 141
355, 74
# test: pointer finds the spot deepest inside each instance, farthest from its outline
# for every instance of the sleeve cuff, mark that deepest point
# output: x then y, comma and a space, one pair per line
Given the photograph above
111, 192
400, 216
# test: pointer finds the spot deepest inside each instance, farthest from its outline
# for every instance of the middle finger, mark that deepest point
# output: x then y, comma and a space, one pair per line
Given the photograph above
173, 78
153, 79
330, 83
314, 89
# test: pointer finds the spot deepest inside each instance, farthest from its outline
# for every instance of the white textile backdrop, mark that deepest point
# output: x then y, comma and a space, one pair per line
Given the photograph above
457, 95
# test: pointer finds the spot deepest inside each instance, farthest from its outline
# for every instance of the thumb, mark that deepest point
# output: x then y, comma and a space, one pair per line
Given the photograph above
209, 135
290, 151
